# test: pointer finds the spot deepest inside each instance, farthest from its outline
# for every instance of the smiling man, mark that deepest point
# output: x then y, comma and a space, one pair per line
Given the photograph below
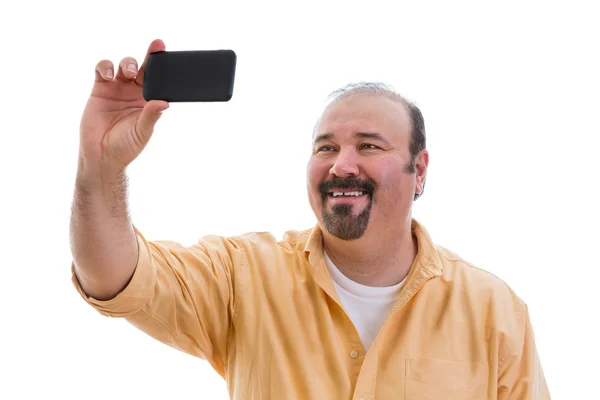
363, 305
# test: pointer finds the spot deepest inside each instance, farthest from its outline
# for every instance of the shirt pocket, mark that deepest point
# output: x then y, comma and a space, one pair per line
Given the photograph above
428, 379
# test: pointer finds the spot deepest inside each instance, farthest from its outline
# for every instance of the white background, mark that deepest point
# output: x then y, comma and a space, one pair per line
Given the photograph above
509, 92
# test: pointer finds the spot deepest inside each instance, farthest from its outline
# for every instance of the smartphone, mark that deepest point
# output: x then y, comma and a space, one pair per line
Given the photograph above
186, 76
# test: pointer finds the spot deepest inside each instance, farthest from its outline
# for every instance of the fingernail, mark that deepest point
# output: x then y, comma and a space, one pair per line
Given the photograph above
132, 68
109, 73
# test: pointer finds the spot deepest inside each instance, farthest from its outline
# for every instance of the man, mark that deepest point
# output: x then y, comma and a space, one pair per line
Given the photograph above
362, 306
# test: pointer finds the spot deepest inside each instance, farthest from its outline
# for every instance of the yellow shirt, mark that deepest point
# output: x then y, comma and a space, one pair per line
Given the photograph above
266, 316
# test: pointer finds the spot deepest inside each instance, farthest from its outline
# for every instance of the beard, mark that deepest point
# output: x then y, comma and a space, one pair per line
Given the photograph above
342, 224
341, 221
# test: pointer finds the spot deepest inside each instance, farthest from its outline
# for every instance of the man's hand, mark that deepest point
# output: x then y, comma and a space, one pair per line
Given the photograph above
117, 122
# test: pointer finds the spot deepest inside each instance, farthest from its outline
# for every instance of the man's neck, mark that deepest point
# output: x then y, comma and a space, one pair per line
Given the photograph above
374, 260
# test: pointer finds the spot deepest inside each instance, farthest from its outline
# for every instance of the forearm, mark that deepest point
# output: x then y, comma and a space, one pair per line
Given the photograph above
103, 242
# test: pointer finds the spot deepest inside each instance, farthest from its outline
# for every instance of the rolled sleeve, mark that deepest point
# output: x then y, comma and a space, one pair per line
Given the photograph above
136, 294
181, 296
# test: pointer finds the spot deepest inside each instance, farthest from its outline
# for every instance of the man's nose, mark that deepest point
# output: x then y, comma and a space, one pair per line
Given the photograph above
345, 164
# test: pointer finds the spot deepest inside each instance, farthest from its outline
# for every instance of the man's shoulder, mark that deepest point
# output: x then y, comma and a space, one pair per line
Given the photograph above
291, 240
470, 277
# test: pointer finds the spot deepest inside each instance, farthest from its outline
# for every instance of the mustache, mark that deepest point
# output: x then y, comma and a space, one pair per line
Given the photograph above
364, 185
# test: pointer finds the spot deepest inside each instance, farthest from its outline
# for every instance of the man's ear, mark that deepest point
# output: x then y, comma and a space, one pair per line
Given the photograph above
421, 164
419, 194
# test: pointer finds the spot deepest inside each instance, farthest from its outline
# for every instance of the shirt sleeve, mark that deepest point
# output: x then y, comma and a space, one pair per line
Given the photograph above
181, 296
520, 374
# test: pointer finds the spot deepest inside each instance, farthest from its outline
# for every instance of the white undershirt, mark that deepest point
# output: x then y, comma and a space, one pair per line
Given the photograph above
367, 306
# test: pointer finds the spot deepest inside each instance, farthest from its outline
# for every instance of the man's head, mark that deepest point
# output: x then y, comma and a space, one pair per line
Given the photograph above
368, 162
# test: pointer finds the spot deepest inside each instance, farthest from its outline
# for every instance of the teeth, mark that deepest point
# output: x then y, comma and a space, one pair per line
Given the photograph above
336, 194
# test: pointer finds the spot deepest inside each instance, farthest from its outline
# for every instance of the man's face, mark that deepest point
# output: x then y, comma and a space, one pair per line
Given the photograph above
358, 175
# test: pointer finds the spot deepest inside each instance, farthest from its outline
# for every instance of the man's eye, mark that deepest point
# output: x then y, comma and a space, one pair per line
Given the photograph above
325, 148
367, 146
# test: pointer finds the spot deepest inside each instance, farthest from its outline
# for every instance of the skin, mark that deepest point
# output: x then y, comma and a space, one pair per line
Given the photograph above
365, 138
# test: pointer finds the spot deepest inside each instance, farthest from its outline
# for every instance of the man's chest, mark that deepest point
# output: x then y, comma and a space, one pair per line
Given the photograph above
312, 349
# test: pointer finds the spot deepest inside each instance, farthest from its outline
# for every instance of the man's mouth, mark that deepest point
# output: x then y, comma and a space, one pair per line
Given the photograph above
346, 193
347, 196
350, 191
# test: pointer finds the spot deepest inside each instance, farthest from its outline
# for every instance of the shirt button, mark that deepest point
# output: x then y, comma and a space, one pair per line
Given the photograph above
354, 354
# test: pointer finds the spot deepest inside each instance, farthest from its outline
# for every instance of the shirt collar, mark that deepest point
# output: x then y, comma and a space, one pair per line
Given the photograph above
427, 256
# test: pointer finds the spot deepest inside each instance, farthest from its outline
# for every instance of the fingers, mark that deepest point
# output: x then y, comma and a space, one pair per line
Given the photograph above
128, 69
156, 45
104, 71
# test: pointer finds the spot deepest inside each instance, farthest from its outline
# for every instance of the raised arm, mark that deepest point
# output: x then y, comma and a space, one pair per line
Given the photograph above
116, 125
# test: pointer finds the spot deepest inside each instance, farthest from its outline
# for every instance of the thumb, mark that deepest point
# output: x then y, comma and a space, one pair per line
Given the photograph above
150, 114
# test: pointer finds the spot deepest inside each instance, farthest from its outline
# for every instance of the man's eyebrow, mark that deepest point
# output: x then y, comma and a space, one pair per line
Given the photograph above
372, 135
362, 135
323, 137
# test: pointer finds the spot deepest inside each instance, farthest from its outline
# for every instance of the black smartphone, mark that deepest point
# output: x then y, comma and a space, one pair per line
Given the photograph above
186, 76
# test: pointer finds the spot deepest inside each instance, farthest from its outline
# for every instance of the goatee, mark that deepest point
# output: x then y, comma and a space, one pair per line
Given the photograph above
340, 221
